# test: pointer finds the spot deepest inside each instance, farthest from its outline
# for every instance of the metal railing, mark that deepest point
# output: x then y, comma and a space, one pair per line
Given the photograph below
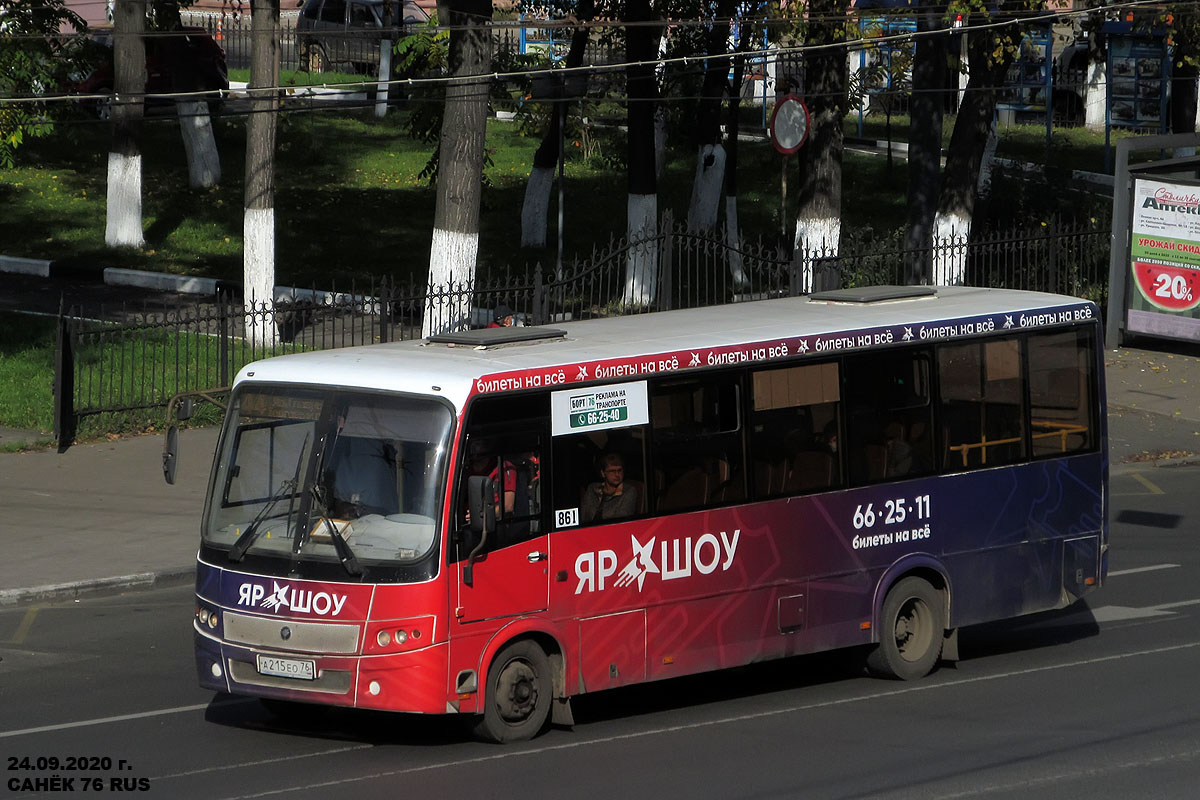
121, 372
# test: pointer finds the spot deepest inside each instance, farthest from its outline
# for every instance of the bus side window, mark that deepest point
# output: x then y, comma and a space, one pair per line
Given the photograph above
1060, 393
890, 417
580, 463
980, 404
794, 424
697, 446
505, 436
516, 482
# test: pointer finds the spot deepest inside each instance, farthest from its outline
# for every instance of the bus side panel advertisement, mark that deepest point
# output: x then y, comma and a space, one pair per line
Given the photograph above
1165, 259
719, 586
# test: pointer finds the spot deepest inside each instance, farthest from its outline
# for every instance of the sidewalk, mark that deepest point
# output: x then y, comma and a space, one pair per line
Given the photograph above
100, 517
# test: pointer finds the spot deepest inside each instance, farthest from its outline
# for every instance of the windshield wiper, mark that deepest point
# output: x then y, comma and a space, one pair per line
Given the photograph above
344, 553
238, 551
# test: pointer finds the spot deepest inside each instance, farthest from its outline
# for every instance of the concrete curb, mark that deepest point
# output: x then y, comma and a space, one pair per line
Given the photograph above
25, 266
164, 282
97, 586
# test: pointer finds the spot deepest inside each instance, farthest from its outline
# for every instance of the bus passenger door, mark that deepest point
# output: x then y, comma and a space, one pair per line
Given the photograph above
509, 572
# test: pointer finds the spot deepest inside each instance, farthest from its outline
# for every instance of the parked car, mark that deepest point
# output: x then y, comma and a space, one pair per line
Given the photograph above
188, 60
335, 32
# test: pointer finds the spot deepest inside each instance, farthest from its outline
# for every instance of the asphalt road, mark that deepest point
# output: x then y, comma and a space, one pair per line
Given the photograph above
1096, 701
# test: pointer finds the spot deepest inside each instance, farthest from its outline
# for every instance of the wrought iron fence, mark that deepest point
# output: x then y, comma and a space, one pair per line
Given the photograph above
120, 374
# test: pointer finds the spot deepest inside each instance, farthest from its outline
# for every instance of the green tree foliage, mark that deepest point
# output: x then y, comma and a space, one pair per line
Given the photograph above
42, 44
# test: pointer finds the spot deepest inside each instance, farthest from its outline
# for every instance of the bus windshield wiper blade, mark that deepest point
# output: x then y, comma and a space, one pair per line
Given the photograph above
344, 553
238, 551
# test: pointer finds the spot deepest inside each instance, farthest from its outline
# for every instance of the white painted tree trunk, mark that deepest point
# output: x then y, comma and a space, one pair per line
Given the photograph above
385, 74
1095, 97
124, 218
451, 269
204, 162
815, 238
535, 212
641, 263
706, 189
258, 274
733, 242
951, 232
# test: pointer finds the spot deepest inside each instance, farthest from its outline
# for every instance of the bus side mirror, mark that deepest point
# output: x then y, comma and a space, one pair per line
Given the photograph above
187, 407
170, 454
481, 503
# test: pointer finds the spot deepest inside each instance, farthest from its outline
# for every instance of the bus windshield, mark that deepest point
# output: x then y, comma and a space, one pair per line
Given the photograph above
323, 474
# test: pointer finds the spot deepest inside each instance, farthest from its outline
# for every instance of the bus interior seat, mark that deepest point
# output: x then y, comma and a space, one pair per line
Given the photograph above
687, 491
875, 461
770, 476
641, 493
811, 469
731, 490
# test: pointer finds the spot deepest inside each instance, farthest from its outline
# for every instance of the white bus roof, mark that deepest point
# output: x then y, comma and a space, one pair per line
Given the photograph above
621, 348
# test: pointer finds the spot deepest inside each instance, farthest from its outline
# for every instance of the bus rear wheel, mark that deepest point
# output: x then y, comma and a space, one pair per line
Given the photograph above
912, 628
519, 694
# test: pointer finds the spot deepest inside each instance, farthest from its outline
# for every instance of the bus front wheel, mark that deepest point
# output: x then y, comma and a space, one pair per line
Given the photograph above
519, 694
912, 627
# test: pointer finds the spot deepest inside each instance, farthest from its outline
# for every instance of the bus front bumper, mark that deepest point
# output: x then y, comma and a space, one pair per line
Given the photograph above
412, 681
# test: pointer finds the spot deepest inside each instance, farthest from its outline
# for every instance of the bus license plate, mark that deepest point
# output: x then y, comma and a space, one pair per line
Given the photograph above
287, 667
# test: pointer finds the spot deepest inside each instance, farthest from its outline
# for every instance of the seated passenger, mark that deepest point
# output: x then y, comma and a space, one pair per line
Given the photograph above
611, 497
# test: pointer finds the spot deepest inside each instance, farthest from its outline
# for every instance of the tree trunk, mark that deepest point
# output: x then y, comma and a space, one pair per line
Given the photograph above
258, 256
924, 146
199, 144
1096, 91
536, 209
385, 61
641, 266
195, 127
1183, 78
711, 157
460, 166
123, 222
964, 161
733, 235
818, 220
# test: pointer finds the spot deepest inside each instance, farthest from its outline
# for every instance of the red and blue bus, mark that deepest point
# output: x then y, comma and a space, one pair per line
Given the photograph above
488, 523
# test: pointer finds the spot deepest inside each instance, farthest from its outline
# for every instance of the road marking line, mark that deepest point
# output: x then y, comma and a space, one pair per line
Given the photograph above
120, 718
1144, 481
224, 767
26, 624
723, 721
1131, 571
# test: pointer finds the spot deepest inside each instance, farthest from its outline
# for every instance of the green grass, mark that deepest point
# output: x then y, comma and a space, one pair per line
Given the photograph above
1075, 148
138, 371
350, 204
297, 77
27, 372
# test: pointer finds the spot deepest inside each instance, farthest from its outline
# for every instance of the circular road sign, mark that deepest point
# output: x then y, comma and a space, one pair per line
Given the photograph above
789, 124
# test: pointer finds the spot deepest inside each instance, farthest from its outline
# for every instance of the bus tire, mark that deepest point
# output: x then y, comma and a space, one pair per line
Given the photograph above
911, 631
519, 694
